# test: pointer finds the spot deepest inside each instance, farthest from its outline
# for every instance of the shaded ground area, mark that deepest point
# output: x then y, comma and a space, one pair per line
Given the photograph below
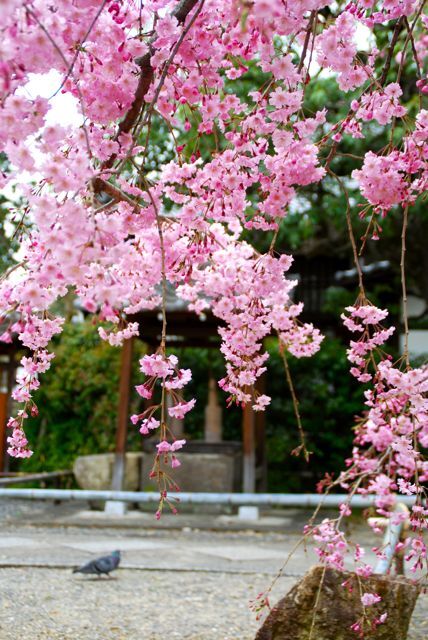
174, 582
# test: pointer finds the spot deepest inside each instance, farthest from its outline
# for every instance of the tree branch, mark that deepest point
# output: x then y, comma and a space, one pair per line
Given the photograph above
146, 78
99, 185
306, 43
396, 33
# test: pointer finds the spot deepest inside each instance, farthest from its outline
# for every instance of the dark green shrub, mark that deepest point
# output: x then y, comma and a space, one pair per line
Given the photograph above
78, 400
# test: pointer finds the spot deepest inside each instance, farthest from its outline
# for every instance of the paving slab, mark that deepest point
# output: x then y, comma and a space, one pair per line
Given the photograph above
51, 514
177, 550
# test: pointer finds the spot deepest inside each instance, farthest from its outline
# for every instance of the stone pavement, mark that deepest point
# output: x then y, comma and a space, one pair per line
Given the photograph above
64, 535
189, 577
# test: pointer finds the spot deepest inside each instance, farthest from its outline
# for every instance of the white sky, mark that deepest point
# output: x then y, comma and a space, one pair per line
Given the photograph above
64, 107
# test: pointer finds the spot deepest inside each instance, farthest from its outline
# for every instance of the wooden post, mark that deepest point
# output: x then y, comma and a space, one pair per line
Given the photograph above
260, 446
248, 449
123, 415
3, 421
7, 376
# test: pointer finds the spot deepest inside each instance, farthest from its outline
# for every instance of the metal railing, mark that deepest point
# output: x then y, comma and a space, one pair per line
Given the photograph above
22, 478
303, 500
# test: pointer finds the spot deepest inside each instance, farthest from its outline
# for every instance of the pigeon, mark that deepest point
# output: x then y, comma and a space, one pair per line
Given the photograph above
105, 564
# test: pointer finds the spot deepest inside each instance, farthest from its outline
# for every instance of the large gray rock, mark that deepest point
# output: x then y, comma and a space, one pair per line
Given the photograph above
338, 607
95, 472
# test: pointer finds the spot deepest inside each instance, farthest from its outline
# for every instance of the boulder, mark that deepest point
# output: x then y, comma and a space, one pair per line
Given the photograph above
338, 607
95, 472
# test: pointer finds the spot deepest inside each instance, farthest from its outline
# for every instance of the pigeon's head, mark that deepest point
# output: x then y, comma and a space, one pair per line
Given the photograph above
116, 554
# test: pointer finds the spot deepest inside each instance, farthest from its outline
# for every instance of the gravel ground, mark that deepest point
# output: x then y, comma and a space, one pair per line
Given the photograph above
52, 604
43, 604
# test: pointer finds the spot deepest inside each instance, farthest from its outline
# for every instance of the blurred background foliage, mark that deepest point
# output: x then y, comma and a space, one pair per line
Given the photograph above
9, 223
78, 400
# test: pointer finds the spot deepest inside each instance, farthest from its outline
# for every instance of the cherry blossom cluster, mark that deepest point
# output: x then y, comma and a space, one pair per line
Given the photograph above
373, 12
337, 49
400, 176
387, 458
382, 105
395, 424
251, 295
163, 369
367, 624
365, 318
35, 333
332, 545
27, 382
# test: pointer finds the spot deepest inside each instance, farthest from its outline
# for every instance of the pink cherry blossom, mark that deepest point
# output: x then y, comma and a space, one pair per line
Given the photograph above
144, 391
149, 424
177, 444
163, 447
368, 599
180, 409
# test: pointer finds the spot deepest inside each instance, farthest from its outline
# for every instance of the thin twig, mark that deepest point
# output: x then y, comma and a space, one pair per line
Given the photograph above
350, 232
408, 39
306, 43
164, 292
172, 56
302, 446
11, 269
316, 603
145, 80
412, 41
117, 194
311, 53
395, 35
140, 124
403, 286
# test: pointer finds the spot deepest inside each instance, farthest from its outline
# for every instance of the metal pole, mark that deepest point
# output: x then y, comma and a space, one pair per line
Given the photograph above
304, 500
393, 535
